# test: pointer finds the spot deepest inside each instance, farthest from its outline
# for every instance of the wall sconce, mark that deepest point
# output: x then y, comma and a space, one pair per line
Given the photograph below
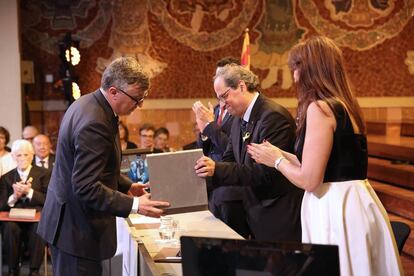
72, 55
76, 93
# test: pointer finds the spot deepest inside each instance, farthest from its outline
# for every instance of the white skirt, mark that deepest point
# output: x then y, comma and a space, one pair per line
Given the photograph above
349, 214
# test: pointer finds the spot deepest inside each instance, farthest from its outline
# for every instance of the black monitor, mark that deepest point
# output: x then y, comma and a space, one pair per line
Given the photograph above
214, 256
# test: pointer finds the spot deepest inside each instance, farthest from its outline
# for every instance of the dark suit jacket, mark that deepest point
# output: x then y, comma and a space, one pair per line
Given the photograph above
218, 136
39, 185
86, 191
50, 161
214, 147
272, 202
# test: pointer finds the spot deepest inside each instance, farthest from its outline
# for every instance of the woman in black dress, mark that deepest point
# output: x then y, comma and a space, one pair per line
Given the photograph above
339, 206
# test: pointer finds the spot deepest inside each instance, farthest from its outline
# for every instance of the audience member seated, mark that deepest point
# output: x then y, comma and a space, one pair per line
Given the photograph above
6, 161
146, 134
23, 187
161, 139
124, 137
29, 132
195, 144
43, 156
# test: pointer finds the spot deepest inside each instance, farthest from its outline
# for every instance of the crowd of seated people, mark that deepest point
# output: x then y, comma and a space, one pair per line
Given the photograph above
25, 170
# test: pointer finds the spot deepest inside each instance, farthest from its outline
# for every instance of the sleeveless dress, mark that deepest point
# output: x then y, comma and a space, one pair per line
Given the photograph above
345, 210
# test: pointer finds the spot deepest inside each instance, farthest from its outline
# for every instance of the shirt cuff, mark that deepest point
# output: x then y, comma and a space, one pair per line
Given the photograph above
135, 205
11, 201
29, 195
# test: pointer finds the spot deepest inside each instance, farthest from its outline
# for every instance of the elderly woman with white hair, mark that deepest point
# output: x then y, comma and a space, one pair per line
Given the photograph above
23, 187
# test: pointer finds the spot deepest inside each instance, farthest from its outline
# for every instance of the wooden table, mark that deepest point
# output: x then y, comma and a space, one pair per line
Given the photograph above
143, 243
4, 216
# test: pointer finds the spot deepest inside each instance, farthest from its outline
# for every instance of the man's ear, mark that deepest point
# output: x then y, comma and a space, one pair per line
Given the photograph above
112, 91
242, 85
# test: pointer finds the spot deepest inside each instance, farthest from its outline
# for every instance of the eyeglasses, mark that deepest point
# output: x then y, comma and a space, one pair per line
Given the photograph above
223, 97
147, 135
138, 100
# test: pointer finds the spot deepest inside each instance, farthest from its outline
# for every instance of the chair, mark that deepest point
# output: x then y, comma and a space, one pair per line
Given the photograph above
401, 232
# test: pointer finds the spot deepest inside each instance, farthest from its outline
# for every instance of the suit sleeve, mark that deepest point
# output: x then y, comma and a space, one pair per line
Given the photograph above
276, 129
39, 194
218, 137
92, 163
124, 184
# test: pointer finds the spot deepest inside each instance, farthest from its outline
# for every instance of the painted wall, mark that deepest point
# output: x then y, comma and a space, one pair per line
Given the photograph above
179, 42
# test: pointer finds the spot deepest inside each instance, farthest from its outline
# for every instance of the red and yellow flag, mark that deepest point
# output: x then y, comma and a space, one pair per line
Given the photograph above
245, 55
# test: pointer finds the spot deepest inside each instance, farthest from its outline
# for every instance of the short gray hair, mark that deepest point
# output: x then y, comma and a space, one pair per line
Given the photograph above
124, 71
233, 73
22, 144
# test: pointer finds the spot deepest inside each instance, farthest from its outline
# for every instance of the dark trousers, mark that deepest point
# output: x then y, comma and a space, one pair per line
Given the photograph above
13, 234
65, 264
231, 213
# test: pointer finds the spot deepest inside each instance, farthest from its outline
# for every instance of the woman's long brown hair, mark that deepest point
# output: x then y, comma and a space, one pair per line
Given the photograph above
322, 76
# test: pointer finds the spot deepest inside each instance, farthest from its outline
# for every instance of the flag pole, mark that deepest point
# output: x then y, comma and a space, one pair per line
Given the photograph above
245, 55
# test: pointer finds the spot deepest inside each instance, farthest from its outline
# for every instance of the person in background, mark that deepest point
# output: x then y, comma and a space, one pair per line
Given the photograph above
146, 134
43, 156
225, 202
124, 137
271, 202
23, 187
7, 162
29, 132
87, 191
339, 206
194, 144
161, 139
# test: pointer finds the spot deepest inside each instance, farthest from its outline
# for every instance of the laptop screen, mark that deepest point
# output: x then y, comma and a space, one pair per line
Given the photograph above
134, 165
213, 256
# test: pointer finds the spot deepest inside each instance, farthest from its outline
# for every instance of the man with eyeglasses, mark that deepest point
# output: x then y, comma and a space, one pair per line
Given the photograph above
146, 136
225, 202
86, 191
272, 203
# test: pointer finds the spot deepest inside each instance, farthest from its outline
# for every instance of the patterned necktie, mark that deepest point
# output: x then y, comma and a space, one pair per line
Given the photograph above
243, 127
42, 163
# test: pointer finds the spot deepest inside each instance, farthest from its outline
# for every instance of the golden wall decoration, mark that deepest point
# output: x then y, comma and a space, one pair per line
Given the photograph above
362, 13
358, 39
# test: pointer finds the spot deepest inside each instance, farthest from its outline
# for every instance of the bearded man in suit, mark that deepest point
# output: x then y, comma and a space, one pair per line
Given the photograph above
272, 203
86, 191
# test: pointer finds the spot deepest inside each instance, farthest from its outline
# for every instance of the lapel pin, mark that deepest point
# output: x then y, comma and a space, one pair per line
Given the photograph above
246, 136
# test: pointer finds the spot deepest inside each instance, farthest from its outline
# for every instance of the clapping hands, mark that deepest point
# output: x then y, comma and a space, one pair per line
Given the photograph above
264, 153
22, 188
204, 115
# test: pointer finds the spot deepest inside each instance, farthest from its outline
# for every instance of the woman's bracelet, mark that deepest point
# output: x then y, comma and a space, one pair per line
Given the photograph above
278, 161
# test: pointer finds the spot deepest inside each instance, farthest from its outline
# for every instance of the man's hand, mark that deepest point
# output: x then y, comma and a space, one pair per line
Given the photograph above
17, 191
151, 208
138, 189
203, 114
22, 188
205, 167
